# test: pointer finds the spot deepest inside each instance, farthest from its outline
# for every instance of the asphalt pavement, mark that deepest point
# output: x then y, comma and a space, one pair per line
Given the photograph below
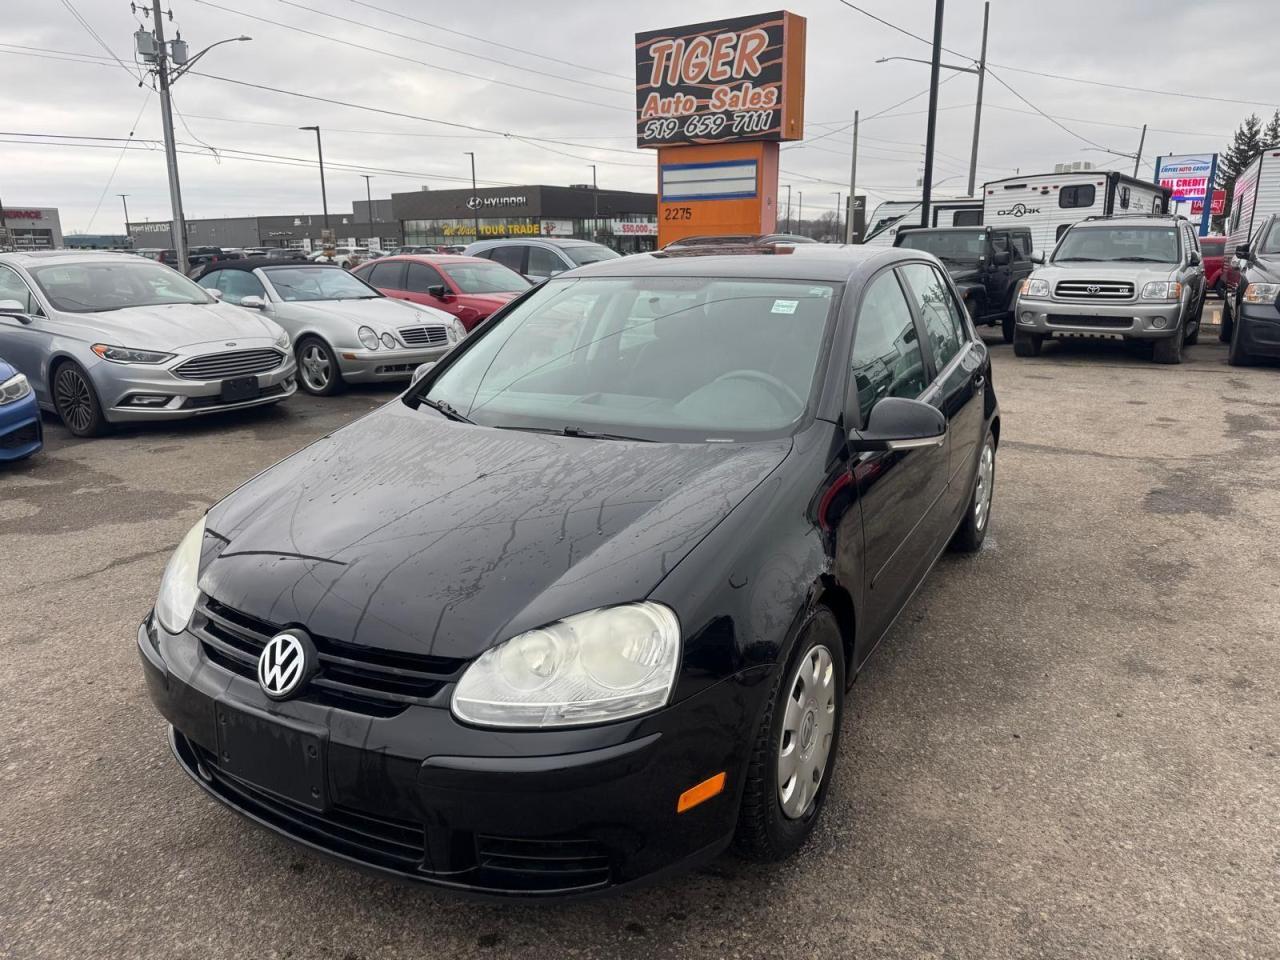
1069, 747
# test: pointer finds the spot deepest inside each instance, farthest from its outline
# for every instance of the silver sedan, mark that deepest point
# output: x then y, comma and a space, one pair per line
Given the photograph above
111, 337
343, 330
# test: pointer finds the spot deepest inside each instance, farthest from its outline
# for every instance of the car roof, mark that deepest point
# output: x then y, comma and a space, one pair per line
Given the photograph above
253, 263
444, 259
35, 258
1130, 222
550, 241
809, 261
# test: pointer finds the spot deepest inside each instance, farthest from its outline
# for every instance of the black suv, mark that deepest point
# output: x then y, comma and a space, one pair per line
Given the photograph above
987, 264
1251, 315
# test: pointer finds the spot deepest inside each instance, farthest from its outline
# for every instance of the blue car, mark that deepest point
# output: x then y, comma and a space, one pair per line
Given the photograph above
20, 431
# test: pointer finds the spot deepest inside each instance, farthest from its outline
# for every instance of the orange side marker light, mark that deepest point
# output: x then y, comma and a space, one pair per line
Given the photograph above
707, 789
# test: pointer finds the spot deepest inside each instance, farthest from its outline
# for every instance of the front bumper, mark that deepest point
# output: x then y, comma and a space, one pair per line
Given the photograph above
502, 814
21, 432
183, 398
1260, 328
1131, 320
370, 366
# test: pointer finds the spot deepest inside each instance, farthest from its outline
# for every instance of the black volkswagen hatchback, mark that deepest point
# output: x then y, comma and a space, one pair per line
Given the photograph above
582, 605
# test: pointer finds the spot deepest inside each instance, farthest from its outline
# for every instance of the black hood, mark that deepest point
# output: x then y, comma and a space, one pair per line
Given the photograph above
1266, 269
406, 531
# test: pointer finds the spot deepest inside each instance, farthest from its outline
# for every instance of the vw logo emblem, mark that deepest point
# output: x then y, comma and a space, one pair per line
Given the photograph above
284, 664
1093, 289
475, 203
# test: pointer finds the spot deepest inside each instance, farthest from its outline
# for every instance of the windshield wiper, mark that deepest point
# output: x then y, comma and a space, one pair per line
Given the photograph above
1077, 260
577, 432
1139, 260
444, 408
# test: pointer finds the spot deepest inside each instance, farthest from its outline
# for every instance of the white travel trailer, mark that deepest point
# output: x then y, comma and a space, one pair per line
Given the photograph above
1256, 196
1049, 203
884, 223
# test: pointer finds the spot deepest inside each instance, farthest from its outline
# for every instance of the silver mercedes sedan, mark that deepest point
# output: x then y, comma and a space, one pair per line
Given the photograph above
111, 337
343, 330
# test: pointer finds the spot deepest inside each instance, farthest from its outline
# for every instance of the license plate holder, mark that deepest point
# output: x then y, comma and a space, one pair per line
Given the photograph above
274, 754
239, 389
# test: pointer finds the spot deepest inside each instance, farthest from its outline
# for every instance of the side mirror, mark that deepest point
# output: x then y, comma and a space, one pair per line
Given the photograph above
1243, 252
1038, 257
14, 308
421, 371
1194, 259
897, 423
439, 291
1002, 258
213, 292
253, 303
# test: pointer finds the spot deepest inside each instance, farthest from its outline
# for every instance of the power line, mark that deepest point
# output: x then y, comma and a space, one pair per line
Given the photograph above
1121, 86
98, 39
471, 36
1057, 123
112, 176
454, 50
902, 30
422, 63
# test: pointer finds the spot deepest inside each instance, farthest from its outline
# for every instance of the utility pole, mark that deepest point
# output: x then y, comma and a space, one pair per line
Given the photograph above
934, 67
474, 196
124, 198
324, 196
800, 212
788, 186
838, 230
977, 113
595, 203
853, 182
1137, 159
368, 199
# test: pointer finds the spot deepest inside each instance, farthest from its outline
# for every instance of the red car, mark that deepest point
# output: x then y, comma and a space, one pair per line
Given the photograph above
1211, 249
470, 288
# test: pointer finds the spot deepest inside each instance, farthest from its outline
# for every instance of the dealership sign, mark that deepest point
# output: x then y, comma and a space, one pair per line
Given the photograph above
23, 215
487, 203
1189, 179
630, 228
721, 81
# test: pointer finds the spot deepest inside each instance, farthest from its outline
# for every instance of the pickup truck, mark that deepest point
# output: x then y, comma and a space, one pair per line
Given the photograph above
988, 265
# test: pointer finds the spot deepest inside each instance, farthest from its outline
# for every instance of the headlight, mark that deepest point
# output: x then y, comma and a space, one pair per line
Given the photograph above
1162, 290
594, 667
1262, 293
455, 331
282, 341
1035, 288
389, 341
128, 355
14, 389
368, 337
178, 591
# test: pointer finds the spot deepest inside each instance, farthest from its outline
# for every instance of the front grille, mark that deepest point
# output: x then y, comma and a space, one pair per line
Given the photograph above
1070, 320
201, 403
1112, 290
542, 865
21, 437
379, 683
424, 336
398, 844
237, 363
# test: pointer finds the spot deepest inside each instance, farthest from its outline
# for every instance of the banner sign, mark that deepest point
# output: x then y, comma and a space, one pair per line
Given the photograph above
723, 81
1189, 179
632, 228
1219, 203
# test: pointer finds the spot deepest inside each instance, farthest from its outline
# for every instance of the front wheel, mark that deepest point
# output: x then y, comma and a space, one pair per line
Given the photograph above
793, 758
1194, 322
1169, 350
1237, 356
1008, 326
77, 402
318, 372
1027, 344
973, 528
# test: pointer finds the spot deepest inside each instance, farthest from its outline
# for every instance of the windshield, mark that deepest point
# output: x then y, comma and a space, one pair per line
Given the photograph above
946, 244
484, 277
648, 357
1212, 248
98, 287
318, 283
1270, 244
590, 253
1109, 244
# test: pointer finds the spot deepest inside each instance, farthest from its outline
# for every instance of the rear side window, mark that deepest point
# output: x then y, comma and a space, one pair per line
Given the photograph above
887, 360
387, 276
943, 321
509, 256
544, 263
1080, 195
421, 277
1020, 242
968, 218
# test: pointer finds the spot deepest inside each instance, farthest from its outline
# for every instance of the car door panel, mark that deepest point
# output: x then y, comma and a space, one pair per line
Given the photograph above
25, 340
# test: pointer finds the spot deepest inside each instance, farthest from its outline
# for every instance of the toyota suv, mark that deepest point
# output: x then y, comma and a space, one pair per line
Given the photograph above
1119, 278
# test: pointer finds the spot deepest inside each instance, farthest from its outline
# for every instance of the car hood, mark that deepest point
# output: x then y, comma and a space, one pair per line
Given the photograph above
493, 300
1137, 273
1266, 269
409, 532
381, 313
174, 326
6, 370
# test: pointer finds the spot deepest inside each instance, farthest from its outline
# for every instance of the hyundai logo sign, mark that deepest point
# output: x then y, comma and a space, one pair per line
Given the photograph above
479, 203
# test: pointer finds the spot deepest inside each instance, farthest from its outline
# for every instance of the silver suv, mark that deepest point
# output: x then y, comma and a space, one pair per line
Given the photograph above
1120, 278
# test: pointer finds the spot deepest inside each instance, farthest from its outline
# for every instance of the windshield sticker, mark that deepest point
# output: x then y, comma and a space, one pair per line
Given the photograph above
785, 306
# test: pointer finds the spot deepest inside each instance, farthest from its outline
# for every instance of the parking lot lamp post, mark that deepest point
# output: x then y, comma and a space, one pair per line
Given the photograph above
788, 186
839, 232
324, 197
595, 204
124, 198
475, 210
368, 199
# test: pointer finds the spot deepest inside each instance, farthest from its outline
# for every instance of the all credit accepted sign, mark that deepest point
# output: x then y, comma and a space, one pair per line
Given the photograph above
721, 81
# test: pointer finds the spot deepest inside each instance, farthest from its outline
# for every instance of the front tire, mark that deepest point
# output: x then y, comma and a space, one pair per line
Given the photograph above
1008, 326
318, 372
973, 529
76, 401
1195, 322
1237, 355
1027, 344
1169, 349
794, 755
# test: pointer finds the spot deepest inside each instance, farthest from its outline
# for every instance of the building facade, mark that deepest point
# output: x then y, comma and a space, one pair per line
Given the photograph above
30, 228
620, 219
291, 230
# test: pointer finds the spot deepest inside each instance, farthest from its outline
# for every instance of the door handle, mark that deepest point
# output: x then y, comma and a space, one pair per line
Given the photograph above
979, 382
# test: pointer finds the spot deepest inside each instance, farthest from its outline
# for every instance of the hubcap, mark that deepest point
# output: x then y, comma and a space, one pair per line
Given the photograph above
986, 480
314, 364
808, 725
75, 404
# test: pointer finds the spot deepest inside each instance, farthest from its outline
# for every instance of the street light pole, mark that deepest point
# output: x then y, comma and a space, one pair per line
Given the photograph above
124, 199
179, 229
838, 230
595, 204
977, 113
368, 199
476, 209
853, 182
931, 130
324, 196
788, 186
800, 212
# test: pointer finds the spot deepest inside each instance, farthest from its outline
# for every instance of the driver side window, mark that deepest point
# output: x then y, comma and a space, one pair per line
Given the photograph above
13, 288
887, 361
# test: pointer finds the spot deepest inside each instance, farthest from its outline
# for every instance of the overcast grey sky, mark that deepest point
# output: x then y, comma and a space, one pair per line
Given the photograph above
578, 90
